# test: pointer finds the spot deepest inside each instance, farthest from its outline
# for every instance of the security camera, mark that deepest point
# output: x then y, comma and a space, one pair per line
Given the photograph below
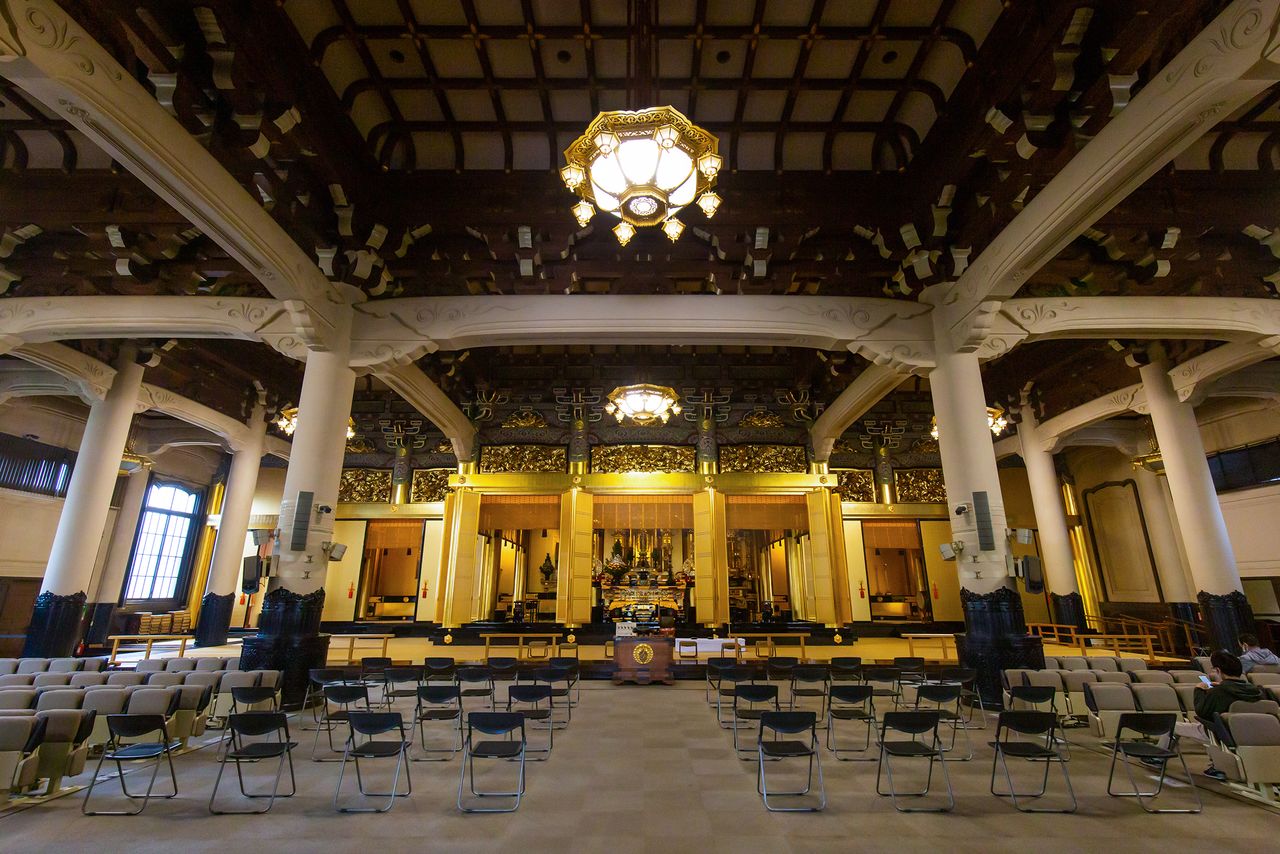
962, 509
324, 508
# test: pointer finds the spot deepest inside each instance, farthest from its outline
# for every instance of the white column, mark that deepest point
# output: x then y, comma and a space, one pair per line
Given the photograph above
969, 466
1164, 538
109, 586
315, 465
84, 513
1046, 500
1195, 502
237, 504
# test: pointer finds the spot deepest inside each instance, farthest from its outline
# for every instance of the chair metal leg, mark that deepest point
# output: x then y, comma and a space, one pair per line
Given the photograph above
886, 763
390, 796
762, 784
468, 768
833, 741
1013, 794
449, 752
144, 797
1146, 798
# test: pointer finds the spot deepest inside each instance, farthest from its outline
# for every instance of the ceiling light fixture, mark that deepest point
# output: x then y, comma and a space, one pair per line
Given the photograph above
643, 403
287, 422
996, 421
643, 167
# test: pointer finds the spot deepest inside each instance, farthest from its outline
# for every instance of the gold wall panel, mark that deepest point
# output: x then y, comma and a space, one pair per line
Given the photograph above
429, 485
365, 486
763, 458
855, 484
616, 459
920, 486
523, 458
761, 418
526, 419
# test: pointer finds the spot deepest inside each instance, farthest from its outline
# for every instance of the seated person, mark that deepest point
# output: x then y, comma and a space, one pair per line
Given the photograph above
1252, 654
1228, 686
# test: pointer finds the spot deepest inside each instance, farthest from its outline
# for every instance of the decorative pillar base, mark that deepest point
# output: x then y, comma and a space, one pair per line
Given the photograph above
996, 639
1226, 617
1068, 610
215, 619
288, 640
55, 625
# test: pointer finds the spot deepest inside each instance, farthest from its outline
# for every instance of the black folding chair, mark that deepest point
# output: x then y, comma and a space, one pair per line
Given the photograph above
1042, 727
714, 667
750, 701
128, 727
851, 703
370, 725
913, 724
255, 725
317, 678
347, 698
570, 667
438, 669
885, 683
441, 703
503, 669
729, 680
401, 683
537, 704
475, 681
508, 745
1150, 729
910, 673
373, 673
966, 678
778, 749
779, 669
548, 677
809, 682
846, 668
945, 700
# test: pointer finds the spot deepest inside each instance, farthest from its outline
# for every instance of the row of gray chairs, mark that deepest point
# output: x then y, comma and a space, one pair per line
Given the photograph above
50, 665
178, 665
1112, 663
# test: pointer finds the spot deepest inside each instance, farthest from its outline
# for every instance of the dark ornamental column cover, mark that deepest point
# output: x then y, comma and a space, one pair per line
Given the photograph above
996, 639
288, 640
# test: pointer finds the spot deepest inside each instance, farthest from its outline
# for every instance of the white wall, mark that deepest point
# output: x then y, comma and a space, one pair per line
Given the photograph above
1252, 517
27, 525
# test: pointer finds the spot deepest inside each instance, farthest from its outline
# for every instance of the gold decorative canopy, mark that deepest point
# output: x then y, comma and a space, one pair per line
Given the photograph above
643, 404
643, 167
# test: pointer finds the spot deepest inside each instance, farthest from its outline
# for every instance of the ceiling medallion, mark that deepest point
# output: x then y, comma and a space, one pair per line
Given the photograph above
996, 421
643, 404
643, 167
287, 422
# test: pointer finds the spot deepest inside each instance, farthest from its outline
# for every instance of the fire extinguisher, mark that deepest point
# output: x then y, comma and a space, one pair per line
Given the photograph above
351, 590
862, 591
242, 598
936, 594
424, 591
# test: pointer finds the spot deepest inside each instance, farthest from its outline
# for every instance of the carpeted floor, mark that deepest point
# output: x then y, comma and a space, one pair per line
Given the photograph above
647, 769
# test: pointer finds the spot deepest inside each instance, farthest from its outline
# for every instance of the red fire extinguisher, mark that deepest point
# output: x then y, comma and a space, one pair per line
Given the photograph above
862, 591
351, 591
424, 591
242, 598
935, 590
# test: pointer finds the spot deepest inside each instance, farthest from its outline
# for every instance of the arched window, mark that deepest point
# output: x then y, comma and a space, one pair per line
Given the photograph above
162, 549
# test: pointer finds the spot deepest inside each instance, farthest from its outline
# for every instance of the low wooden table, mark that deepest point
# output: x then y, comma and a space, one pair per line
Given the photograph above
944, 638
771, 638
351, 645
116, 640
643, 660
489, 637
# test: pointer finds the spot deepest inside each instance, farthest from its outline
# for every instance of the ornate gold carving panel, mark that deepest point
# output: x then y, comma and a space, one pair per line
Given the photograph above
763, 458
365, 486
855, 485
523, 458
525, 418
920, 486
429, 485
761, 418
613, 459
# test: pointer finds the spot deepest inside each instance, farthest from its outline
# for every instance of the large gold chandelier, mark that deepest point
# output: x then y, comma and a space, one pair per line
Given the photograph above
643, 167
643, 403
287, 422
996, 421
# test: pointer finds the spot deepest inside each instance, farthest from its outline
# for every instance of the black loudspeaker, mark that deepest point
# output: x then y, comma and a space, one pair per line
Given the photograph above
252, 577
982, 518
301, 522
1033, 574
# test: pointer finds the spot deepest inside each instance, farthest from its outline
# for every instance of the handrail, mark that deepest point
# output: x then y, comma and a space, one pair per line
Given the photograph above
1118, 644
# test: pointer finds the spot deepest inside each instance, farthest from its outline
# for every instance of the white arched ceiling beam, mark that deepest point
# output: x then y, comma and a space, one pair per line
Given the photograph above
22, 379
1223, 67
1210, 318
50, 56
397, 331
422, 394
852, 403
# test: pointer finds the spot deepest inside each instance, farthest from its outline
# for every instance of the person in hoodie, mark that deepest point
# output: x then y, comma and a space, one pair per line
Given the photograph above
1228, 686
1252, 654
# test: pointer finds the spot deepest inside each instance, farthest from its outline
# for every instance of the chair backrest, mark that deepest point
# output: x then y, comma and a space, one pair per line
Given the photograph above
503, 667
1202, 663
403, 674
1014, 676
251, 695
1264, 678
152, 701
84, 679
910, 723
17, 680
439, 694
8, 665
166, 679
846, 664
212, 679
1250, 729
495, 723
1026, 722
345, 695
325, 675
528, 694
204, 664
65, 665
1075, 680
149, 665
1153, 677
1033, 694
270, 678
1113, 676
1051, 662
18, 698
65, 725
1262, 707
373, 665
437, 663
1156, 698
375, 723
123, 678
788, 723
851, 694
15, 734
238, 679
179, 665
810, 673
1073, 662
909, 664
474, 674
880, 674
194, 697
735, 675
1044, 679
1104, 663
254, 724
752, 693
1132, 665
962, 675
940, 694
32, 665
51, 680
135, 725
65, 698
1147, 724
1190, 677
715, 664
1100, 696
105, 701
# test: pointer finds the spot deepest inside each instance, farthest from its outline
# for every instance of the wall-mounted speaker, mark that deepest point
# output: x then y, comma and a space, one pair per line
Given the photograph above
301, 521
1033, 574
260, 536
982, 518
252, 575
1024, 535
